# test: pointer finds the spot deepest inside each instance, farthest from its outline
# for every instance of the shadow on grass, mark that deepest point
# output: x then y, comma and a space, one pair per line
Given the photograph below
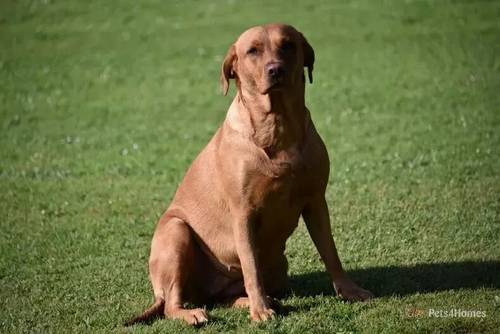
393, 280
407, 280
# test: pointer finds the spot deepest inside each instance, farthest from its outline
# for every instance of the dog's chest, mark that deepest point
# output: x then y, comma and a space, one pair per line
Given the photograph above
280, 201
287, 180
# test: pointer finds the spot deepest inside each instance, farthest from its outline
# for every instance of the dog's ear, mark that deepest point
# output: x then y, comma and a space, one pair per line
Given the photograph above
227, 72
308, 58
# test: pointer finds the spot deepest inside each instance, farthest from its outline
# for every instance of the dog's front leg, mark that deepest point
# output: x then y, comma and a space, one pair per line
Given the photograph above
244, 229
317, 220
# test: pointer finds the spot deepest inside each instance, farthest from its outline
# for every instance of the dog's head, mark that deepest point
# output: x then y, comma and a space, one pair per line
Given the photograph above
267, 58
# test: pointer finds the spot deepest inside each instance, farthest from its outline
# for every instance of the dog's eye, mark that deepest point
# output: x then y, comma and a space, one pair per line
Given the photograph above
252, 51
286, 46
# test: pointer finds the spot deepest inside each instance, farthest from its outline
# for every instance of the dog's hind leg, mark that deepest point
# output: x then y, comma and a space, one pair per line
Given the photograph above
172, 267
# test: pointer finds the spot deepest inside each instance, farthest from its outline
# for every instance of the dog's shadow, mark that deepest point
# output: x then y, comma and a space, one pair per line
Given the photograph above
397, 281
406, 280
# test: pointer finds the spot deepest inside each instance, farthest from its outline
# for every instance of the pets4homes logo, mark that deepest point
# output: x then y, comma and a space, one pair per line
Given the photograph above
414, 312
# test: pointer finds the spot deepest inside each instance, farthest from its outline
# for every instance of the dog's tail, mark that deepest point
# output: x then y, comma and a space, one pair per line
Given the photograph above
154, 311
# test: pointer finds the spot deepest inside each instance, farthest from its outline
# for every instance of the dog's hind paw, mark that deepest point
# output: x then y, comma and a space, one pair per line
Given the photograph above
195, 317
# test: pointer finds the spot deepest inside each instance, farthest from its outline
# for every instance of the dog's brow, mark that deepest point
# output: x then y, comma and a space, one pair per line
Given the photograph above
256, 43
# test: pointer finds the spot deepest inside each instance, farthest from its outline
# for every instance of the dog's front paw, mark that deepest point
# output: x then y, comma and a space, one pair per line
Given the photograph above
350, 291
261, 313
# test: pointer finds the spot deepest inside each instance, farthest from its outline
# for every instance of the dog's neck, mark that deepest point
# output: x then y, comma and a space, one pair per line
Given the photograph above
274, 122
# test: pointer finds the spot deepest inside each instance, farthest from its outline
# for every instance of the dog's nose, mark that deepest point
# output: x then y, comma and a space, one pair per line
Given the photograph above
274, 70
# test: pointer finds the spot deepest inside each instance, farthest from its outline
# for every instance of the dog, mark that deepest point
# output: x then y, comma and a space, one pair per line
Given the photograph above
223, 237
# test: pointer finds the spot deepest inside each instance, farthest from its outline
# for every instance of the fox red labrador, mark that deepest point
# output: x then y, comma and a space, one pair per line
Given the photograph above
223, 237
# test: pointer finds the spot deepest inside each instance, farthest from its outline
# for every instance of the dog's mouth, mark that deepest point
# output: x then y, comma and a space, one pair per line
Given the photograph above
274, 85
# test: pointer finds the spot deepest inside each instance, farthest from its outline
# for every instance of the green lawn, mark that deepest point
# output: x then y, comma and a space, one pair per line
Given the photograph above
103, 106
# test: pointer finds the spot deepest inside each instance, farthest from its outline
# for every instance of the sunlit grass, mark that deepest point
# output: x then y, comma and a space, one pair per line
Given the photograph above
103, 106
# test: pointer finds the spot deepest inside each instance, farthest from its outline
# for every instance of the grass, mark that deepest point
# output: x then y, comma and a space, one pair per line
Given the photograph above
103, 105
